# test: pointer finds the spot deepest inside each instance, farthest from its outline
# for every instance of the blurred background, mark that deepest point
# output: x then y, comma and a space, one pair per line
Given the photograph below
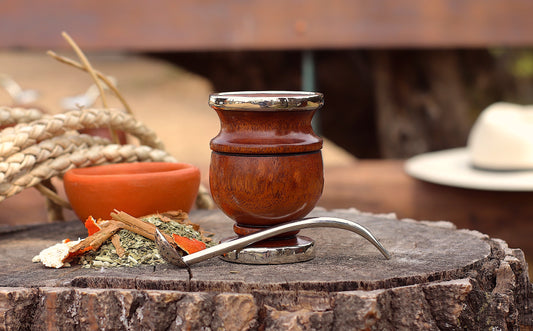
400, 78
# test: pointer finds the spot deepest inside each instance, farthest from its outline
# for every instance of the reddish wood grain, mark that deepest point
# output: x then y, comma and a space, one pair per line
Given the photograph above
269, 132
259, 191
266, 166
222, 25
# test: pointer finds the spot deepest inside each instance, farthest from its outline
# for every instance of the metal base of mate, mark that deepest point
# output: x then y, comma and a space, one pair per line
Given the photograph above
303, 250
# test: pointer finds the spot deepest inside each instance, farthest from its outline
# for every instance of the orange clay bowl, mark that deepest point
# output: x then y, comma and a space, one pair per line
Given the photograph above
138, 189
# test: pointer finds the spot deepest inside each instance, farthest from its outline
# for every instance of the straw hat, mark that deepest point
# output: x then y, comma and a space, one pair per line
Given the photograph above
498, 155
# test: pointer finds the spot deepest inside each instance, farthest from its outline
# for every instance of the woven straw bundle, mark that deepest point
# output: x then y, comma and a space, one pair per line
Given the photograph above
39, 147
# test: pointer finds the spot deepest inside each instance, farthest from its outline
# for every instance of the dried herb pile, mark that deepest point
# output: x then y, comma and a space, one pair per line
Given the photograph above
137, 249
126, 241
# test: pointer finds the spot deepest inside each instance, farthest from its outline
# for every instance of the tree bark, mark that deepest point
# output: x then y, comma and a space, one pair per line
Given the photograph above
438, 278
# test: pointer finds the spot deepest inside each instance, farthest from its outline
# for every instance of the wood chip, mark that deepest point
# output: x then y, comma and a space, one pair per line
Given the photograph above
115, 239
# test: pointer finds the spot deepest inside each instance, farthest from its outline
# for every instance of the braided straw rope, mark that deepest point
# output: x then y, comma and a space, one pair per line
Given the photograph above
13, 139
9, 116
95, 155
32, 153
55, 147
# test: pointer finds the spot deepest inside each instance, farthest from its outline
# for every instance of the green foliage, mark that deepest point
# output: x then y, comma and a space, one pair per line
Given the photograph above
523, 65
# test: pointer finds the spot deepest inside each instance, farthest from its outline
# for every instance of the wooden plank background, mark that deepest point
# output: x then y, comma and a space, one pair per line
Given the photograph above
192, 25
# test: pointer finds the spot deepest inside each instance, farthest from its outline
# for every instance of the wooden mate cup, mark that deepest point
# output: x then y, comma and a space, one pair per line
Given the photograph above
266, 168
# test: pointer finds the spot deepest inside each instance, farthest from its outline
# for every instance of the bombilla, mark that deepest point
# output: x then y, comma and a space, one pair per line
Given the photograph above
171, 255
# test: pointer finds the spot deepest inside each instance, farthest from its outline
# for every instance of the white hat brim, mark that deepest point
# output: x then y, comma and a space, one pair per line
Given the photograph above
453, 168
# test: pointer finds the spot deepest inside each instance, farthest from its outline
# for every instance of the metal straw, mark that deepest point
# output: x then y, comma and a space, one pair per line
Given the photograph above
169, 253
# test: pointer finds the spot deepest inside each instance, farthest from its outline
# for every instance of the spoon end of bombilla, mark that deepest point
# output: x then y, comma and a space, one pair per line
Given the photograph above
167, 251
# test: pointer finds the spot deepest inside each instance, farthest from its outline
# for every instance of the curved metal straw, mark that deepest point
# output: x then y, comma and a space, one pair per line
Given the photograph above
169, 253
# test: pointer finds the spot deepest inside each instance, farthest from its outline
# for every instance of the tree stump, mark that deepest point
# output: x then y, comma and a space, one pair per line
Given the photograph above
438, 278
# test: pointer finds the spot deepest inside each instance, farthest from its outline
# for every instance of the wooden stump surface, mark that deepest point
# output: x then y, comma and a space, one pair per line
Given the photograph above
438, 277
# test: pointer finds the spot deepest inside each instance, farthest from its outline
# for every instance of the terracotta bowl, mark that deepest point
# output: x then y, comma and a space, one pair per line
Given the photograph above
137, 188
